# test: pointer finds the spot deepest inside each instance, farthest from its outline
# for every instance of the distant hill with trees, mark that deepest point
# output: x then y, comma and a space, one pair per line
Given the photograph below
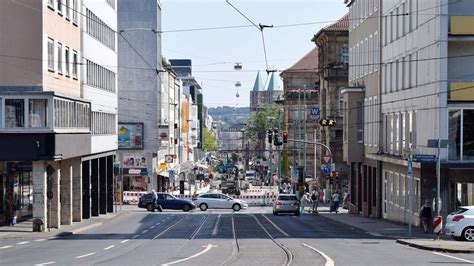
230, 115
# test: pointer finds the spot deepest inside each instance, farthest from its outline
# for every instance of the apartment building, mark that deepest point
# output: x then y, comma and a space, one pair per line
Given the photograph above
333, 64
301, 92
47, 126
362, 108
139, 87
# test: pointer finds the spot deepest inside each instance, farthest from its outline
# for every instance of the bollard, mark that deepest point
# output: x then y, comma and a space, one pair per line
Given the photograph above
438, 226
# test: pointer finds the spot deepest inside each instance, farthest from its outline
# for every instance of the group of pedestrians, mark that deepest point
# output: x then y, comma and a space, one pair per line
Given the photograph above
313, 199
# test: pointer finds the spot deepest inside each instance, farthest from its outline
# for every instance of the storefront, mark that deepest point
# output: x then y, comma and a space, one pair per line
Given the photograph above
16, 190
135, 179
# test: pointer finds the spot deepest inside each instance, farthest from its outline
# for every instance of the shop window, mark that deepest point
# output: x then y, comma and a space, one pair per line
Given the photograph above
14, 113
468, 135
454, 135
37, 113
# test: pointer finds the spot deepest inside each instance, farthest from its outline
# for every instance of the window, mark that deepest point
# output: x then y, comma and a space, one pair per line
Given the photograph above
51, 4
37, 113
345, 54
403, 131
68, 9
67, 62
14, 113
74, 13
96, 28
376, 51
98, 75
461, 134
360, 122
371, 54
365, 56
103, 123
60, 58
74, 64
377, 122
60, 6
50, 54
70, 114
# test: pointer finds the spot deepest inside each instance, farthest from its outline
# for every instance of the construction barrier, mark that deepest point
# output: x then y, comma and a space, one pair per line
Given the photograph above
438, 226
132, 197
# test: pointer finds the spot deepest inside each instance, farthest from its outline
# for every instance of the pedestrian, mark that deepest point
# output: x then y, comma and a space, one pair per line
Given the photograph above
336, 198
426, 215
303, 201
155, 199
315, 200
10, 209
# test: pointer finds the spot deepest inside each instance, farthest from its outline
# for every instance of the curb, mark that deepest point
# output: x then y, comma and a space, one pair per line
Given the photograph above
419, 246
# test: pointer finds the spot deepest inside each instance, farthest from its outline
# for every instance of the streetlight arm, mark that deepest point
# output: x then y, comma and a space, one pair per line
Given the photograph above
314, 143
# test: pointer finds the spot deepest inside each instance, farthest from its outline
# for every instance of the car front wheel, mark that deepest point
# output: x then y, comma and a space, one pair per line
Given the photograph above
203, 207
468, 234
236, 207
186, 208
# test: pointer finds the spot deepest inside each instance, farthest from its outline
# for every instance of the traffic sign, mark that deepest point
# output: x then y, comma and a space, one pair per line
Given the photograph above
315, 112
168, 158
327, 159
326, 170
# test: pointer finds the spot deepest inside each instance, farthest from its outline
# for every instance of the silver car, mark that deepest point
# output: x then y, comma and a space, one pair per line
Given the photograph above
218, 201
286, 203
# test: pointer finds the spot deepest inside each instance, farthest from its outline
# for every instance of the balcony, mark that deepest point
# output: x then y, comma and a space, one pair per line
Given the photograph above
461, 91
462, 26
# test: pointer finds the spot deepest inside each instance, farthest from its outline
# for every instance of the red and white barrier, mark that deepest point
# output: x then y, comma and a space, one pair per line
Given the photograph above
132, 197
438, 226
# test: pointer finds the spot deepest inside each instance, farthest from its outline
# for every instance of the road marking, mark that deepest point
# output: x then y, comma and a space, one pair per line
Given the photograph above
144, 231
45, 263
5, 247
39, 240
157, 223
168, 228
109, 247
452, 257
276, 226
22, 243
375, 234
123, 241
153, 226
135, 236
216, 226
85, 255
209, 247
193, 235
329, 261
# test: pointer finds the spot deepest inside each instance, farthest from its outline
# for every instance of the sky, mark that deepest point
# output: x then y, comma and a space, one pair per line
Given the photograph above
214, 52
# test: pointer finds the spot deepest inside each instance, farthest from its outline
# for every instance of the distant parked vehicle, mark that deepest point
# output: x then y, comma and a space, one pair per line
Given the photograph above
166, 202
218, 201
460, 224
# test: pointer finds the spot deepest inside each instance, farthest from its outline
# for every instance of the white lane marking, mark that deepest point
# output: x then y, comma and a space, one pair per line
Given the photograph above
209, 247
157, 223
329, 261
5, 247
22, 243
45, 263
109, 247
39, 240
452, 257
153, 226
216, 226
276, 226
375, 234
144, 231
135, 236
123, 241
85, 255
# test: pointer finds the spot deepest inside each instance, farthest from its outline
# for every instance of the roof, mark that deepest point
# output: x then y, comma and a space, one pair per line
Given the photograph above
258, 86
308, 63
272, 83
341, 25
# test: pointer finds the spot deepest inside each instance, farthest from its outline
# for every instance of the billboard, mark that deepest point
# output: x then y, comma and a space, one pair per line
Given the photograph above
130, 136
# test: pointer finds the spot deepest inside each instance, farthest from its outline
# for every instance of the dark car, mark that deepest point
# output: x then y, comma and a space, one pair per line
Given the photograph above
166, 202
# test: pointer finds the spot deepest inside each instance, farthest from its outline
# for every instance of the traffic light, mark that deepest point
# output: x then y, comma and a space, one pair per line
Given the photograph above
270, 136
285, 136
276, 136
327, 122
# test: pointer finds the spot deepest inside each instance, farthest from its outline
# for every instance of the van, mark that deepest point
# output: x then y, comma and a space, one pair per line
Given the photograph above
250, 176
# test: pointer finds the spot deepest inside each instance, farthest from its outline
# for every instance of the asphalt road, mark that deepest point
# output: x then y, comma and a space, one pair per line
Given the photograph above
249, 237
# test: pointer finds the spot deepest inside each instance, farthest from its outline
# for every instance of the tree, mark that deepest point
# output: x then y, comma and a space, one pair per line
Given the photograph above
266, 117
209, 141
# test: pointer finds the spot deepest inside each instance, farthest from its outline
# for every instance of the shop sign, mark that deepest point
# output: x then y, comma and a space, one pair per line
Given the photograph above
130, 136
135, 171
20, 167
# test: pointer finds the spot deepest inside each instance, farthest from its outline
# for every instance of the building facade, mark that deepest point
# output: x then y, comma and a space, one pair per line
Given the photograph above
139, 87
301, 93
333, 61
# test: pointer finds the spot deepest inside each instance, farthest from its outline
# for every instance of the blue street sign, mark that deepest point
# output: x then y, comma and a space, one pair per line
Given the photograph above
326, 170
410, 168
315, 112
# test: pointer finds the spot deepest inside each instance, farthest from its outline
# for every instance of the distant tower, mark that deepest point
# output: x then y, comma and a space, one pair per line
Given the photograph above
254, 94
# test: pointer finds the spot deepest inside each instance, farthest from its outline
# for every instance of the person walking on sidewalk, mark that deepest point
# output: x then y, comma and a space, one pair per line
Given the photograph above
303, 200
315, 200
336, 198
426, 215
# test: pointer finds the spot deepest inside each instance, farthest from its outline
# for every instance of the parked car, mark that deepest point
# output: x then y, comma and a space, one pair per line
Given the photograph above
166, 202
218, 201
460, 224
286, 203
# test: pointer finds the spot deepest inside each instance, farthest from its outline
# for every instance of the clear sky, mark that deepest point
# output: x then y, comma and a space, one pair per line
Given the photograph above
214, 52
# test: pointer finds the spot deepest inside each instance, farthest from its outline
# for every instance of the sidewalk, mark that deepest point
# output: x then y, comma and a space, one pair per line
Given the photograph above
398, 231
24, 229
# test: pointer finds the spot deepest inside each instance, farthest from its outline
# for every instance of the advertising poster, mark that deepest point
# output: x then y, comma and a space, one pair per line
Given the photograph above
134, 161
130, 135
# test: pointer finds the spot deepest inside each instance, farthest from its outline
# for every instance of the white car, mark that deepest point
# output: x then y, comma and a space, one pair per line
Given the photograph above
250, 176
460, 224
218, 201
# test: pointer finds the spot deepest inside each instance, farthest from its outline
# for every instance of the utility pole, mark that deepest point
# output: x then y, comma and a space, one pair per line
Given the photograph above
410, 191
315, 159
438, 179
304, 129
